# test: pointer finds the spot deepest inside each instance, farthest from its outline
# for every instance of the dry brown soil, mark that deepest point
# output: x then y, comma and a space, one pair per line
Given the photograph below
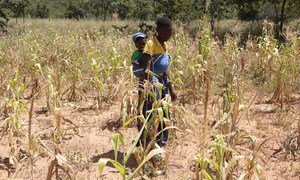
92, 140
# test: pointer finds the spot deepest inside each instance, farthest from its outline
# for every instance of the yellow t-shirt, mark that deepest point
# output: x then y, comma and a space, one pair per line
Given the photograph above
154, 47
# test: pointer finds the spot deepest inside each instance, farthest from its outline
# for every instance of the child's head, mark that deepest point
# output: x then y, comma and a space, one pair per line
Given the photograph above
164, 28
140, 40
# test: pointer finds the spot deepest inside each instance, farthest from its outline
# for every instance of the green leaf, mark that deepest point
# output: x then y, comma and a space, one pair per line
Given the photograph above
167, 128
206, 175
137, 138
117, 139
160, 113
101, 164
103, 161
218, 168
166, 108
128, 121
20, 89
150, 72
203, 161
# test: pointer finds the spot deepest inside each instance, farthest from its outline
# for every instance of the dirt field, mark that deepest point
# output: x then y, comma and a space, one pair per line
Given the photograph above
92, 140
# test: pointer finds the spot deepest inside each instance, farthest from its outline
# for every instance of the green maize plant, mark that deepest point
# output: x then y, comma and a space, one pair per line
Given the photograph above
286, 70
13, 124
217, 167
72, 59
53, 93
221, 158
145, 152
116, 64
261, 67
218, 154
16, 90
119, 140
276, 65
179, 65
97, 81
204, 50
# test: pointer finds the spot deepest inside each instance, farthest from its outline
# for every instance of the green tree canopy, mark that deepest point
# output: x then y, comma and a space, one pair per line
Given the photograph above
41, 11
17, 7
3, 16
75, 11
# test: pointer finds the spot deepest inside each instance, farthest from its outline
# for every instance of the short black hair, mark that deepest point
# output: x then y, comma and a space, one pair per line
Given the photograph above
163, 21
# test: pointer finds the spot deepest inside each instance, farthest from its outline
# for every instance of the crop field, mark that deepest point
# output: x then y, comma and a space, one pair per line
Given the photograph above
68, 104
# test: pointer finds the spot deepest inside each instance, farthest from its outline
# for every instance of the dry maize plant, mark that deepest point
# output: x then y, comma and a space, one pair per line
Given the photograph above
54, 81
65, 77
12, 125
223, 160
151, 159
277, 65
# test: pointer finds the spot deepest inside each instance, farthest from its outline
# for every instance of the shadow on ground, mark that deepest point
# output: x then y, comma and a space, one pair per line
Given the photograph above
112, 125
131, 163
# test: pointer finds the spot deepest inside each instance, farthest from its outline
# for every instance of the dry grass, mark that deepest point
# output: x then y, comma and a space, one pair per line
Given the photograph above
63, 60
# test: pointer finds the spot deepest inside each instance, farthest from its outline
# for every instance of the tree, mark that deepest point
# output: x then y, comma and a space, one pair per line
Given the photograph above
123, 8
75, 11
17, 7
216, 10
102, 8
164, 7
3, 17
41, 11
292, 9
248, 10
279, 18
143, 10
183, 10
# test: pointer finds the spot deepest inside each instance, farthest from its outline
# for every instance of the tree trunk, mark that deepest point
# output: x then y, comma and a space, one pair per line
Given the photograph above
23, 16
104, 16
212, 19
276, 20
282, 18
279, 20
212, 25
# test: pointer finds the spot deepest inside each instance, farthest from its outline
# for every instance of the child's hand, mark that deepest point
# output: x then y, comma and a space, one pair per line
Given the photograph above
173, 96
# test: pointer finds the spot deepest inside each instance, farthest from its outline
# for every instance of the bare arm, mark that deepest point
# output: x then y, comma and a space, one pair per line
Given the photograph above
171, 89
